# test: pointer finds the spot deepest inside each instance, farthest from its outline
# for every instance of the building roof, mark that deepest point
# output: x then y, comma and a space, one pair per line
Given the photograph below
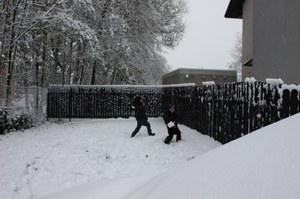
235, 9
190, 71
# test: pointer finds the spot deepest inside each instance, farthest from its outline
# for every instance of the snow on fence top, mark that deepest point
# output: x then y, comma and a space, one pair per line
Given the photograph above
291, 87
122, 86
274, 82
250, 80
128, 88
208, 83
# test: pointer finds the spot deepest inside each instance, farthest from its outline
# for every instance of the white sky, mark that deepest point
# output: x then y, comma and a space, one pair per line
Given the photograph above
209, 37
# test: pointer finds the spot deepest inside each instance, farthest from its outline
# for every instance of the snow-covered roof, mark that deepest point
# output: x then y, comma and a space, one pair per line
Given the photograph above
201, 72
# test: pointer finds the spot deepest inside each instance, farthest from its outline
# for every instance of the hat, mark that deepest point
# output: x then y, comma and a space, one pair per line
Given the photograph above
139, 99
171, 106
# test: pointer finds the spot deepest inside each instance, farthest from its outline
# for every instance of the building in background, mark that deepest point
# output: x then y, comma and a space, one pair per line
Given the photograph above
271, 41
197, 76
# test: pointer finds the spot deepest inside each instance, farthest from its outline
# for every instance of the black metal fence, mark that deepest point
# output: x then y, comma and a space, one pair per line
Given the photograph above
224, 112
100, 101
229, 111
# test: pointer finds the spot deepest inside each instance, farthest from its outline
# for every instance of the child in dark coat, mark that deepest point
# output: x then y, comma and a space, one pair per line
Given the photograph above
171, 121
140, 115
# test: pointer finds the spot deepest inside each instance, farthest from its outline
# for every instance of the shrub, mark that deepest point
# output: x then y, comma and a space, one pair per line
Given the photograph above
21, 122
4, 122
17, 123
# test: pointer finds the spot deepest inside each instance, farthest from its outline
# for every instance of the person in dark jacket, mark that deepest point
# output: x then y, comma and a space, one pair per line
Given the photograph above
171, 121
140, 115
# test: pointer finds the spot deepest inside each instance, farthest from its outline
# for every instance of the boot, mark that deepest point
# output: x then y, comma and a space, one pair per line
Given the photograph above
132, 135
178, 138
167, 140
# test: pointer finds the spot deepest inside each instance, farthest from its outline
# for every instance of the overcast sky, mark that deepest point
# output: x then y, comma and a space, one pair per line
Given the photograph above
209, 37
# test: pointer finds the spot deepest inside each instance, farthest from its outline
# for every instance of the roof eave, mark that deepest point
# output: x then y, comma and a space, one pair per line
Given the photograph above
235, 9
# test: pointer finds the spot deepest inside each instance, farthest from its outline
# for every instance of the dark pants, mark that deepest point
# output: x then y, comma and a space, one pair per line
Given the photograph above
173, 131
141, 123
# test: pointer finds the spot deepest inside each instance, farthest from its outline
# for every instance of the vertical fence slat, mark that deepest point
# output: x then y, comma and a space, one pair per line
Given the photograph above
285, 103
294, 102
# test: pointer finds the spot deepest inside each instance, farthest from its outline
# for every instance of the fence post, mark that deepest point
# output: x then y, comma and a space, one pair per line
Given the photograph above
294, 102
285, 103
70, 104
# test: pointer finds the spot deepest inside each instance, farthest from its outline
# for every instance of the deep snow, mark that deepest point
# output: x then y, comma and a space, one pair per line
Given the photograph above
58, 156
261, 165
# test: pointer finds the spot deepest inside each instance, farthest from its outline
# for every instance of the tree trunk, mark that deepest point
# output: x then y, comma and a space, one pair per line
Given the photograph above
83, 63
44, 57
11, 54
81, 73
113, 78
94, 73
70, 61
63, 68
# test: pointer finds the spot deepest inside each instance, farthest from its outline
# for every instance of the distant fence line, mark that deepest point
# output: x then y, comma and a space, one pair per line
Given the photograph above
100, 101
224, 112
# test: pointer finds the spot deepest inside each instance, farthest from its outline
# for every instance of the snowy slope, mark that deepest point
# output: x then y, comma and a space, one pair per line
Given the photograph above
262, 165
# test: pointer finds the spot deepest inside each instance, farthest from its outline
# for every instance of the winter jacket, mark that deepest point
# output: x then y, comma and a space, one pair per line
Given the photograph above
170, 117
140, 111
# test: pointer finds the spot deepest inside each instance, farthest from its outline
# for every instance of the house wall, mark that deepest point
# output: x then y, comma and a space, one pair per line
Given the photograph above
276, 33
247, 37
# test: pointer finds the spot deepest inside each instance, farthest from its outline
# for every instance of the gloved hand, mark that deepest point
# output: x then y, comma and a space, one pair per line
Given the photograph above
171, 124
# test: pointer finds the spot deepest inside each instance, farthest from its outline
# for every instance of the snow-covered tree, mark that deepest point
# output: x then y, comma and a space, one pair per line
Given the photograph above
236, 54
87, 41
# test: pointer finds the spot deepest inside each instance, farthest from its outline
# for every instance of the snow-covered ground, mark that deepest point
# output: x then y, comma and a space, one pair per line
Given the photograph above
55, 157
97, 159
